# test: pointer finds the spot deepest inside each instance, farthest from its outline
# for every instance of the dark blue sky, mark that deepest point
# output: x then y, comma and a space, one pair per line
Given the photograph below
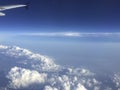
63, 15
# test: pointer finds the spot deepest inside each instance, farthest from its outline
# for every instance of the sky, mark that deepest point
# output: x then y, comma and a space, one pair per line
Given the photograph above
62, 15
73, 33
65, 30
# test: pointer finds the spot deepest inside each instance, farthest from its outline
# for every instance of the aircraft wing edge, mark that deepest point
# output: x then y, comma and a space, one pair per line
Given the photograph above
2, 14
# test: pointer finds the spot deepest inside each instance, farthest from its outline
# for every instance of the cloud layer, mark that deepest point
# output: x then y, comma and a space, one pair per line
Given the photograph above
74, 34
34, 71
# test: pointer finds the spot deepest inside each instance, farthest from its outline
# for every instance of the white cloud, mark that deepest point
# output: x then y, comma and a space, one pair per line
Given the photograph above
39, 69
54, 34
36, 69
80, 87
21, 77
116, 80
74, 34
50, 88
34, 60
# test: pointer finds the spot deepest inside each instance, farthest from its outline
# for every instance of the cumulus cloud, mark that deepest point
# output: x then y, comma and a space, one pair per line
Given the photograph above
21, 77
116, 80
50, 88
25, 56
35, 69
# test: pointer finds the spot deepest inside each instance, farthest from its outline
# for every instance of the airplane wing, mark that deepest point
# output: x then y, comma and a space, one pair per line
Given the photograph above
2, 8
2, 14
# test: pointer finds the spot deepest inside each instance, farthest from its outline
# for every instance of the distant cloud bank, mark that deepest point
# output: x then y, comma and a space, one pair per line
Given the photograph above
73, 34
54, 34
